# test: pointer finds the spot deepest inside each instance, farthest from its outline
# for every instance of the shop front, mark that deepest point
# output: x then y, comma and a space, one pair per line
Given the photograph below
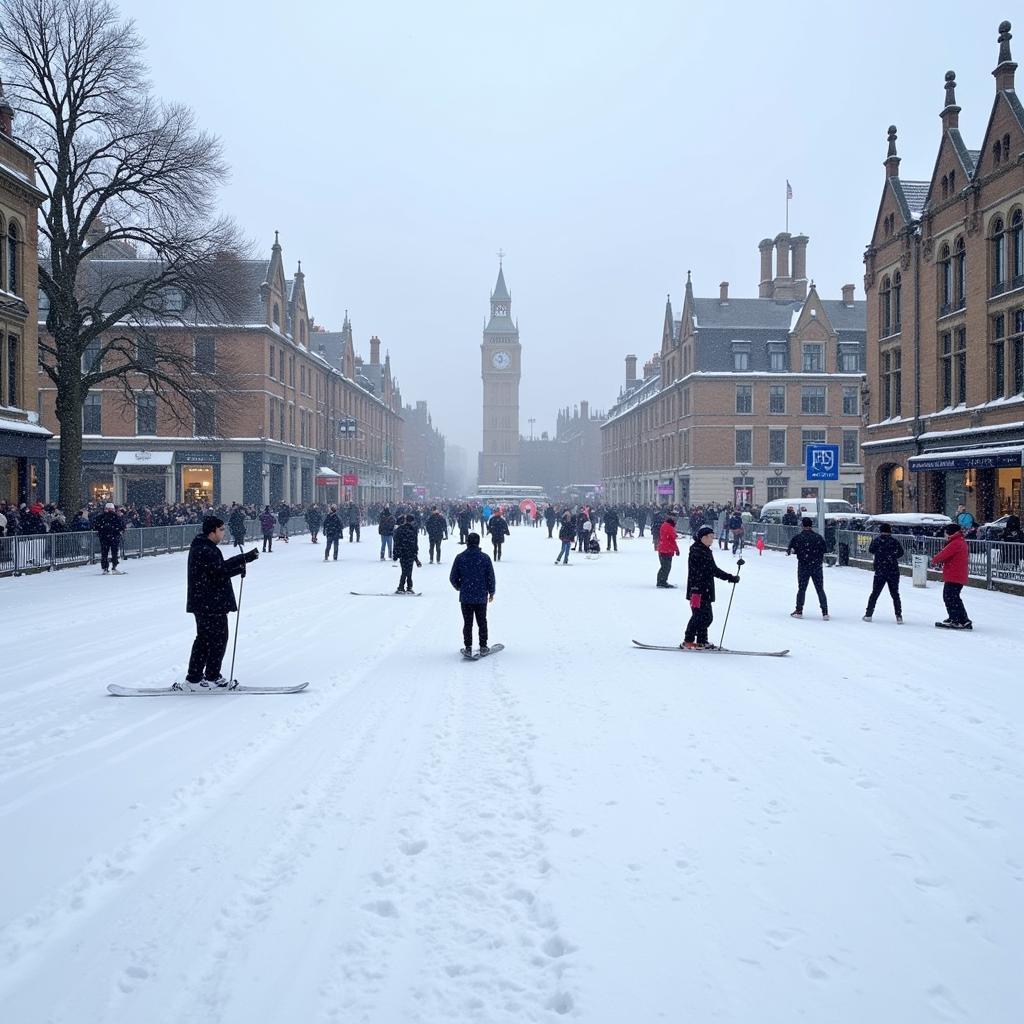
197, 477
987, 481
22, 457
142, 478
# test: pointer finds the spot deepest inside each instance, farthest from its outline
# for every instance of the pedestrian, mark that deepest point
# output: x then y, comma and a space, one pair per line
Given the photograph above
667, 550
566, 533
406, 551
550, 518
887, 551
497, 527
333, 529
809, 548
386, 529
437, 531
954, 561
700, 589
722, 525
267, 523
313, 521
236, 524
611, 529
284, 513
736, 529
353, 522
210, 598
472, 576
109, 525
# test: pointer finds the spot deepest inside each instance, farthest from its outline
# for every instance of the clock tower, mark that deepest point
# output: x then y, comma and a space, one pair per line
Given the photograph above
500, 368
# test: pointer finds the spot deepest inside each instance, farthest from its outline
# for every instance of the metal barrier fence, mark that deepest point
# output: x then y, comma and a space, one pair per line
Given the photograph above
45, 552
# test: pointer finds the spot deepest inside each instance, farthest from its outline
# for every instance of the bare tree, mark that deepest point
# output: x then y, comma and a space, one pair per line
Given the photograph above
122, 172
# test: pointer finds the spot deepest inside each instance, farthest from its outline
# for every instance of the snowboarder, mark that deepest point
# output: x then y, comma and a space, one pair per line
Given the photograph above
667, 550
954, 561
333, 529
406, 551
267, 523
472, 576
497, 527
210, 598
109, 525
809, 548
700, 589
887, 551
437, 531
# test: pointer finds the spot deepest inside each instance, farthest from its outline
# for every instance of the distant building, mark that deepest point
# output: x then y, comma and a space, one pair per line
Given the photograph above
423, 465
571, 459
944, 274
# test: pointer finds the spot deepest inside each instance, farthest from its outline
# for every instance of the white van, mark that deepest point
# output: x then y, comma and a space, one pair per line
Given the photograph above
773, 511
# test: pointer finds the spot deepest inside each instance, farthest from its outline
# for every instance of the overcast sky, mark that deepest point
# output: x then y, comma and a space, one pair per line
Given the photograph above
606, 147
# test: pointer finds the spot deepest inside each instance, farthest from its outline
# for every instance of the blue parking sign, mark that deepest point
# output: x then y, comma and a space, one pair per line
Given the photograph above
823, 462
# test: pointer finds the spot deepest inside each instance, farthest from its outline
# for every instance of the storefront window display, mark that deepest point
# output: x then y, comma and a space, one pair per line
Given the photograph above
197, 484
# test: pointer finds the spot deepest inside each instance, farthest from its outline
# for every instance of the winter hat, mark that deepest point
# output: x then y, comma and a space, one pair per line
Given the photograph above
807, 522
952, 528
885, 528
109, 506
211, 523
473, 540
704, 531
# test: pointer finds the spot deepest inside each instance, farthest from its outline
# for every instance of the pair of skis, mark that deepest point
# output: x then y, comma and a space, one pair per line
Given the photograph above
390, 593
167, 691
712, 650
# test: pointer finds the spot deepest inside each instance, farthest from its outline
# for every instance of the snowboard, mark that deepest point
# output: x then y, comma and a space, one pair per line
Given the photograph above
163, 691
390, 593
477, 655
717, 650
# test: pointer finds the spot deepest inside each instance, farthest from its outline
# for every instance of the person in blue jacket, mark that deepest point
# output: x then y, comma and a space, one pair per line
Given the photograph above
472, 576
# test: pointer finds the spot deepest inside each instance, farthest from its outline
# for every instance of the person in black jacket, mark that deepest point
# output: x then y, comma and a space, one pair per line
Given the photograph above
611, 529
437, 531
353, 522
406, 551
809, 548
386, 529
472, 576
109, 525
700, 589
284, 513
236, 524
313, 521
210, 598
333, 529
887, 551
497, 527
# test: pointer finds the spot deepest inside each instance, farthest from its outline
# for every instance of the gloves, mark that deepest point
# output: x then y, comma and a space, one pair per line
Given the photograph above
419, 564
251, 556
740, 562
734, 579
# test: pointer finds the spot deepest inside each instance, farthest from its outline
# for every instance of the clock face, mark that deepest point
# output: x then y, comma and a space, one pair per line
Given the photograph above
501, 360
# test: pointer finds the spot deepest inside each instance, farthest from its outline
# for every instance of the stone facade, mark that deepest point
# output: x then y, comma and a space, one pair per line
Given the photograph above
945, 285
424, 446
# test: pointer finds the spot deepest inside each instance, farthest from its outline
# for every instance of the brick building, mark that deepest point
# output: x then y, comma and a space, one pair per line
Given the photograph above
22, 439
569, 464
944, 275
724, 411
294, 411
424, 447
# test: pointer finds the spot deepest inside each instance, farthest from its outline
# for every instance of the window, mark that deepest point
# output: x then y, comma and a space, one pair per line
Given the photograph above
960, 356
850, 449
744, 445
998, 357
891, 384
814, 358
744, 398
280, 366
280, 419
1006, 147
945, 187
145, 352
174, 300
204, 360
302, 379
13, 278
91, 356
851, 402
897, 302
778, 488
12, 370
960, 274
812, 400
91, 419
997, 244
849, 359
271, 370
810, 437
777, 447
777, 399
273, 407
952, 182
205, 417
997, 152
1017, 342
1017, 249
778, 361
885, 308
145, 414
291, 374
277, 314
945, 280
741, 359
946, 345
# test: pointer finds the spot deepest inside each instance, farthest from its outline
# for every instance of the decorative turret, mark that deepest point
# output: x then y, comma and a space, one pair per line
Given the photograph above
1005, 68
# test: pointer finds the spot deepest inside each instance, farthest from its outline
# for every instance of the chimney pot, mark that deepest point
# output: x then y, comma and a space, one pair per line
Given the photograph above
374, 350
584, 410
631, 369
848, 294
723, 292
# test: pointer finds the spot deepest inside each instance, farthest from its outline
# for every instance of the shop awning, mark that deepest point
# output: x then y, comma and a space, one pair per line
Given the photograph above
143, 458
969, 458
326, 471
22, 440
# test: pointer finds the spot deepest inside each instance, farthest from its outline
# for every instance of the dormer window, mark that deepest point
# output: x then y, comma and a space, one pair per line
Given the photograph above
277, 315
174, 300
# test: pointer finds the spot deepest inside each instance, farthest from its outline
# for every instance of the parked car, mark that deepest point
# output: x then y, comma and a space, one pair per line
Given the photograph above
993, 530
917, 524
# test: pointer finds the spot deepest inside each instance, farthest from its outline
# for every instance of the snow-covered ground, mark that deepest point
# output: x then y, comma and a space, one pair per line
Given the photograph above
573, 829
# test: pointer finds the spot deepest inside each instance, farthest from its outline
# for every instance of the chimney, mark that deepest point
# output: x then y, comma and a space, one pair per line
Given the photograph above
892, 161
798, 247
848, 294
584, 410
723, 293
950, 112
782, 287
1005, 68
630, 370
764, 290
375, 351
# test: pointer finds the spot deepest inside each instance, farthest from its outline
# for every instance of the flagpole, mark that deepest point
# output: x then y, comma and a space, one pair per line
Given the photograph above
787, 207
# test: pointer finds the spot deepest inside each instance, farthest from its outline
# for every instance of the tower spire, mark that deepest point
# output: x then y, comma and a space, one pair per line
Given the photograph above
950, 112
1006, 67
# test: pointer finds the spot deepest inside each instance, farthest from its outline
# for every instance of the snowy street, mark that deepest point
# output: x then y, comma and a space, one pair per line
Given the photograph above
572, 829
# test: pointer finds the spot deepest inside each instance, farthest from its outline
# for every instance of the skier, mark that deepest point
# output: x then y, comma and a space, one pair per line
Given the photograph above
566, 533
437, 531
887, 551
667, 550
809, 548
386, 529
267, 522
472, 576
109, 525
406, 551
313, 521
333, 529
497, 527
700, 589
210, 598
954, 561
236, 524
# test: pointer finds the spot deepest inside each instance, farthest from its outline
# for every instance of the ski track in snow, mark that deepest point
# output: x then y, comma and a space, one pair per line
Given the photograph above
573, 829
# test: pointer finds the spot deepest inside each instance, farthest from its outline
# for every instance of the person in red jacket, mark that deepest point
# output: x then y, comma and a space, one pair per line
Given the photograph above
953, 559
667, 549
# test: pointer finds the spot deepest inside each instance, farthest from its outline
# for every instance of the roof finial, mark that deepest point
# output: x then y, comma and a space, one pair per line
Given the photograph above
950, 88
687, 277
892, 141
1004, 43
277, 244
300, 266
501, 256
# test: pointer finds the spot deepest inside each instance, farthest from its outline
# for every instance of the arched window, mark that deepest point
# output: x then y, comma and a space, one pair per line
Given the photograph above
13, 278
885, 312
945, 280
897, 288
998, 262
1017, 248
960, 273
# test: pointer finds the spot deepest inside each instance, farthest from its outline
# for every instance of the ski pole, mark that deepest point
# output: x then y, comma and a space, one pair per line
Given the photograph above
739, 565
238, 616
